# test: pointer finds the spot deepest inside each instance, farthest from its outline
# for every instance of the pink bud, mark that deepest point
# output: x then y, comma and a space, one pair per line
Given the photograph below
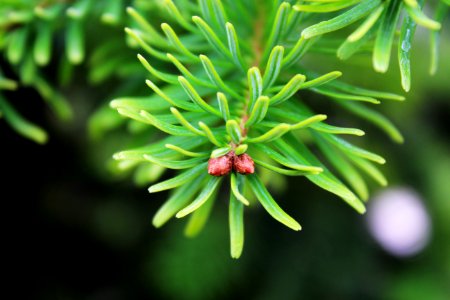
244, 164
220, 166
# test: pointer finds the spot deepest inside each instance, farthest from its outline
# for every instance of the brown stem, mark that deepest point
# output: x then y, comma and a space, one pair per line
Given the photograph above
257, 43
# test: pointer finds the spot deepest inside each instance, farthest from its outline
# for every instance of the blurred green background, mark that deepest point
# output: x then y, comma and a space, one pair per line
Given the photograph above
81, 232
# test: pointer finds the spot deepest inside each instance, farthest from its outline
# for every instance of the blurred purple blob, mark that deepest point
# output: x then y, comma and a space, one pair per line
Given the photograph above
399, 221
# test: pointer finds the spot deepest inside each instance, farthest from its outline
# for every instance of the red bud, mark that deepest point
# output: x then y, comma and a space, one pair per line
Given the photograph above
220, 166
223, 165
244, 164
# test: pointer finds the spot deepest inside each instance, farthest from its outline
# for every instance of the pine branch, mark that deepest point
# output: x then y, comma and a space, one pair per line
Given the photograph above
244, 87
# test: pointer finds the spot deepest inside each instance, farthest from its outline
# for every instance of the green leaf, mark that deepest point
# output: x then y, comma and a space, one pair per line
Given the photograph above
176, 43
7, 84
258, 112
255, 85
347, 171
126, 165
174, 164
20, 125
306, 169
236, 223
112, 12
177, 16
177, 201
272, 134
234, 131
385, 36
102, 121
269, 203
49, 12
178, 180
237, 180
152, 103
115, 65
143, 173
420, 18
214, 77
294, 111
273, 67
294, 20
364, 28
287, 172
18, 16
174, 100
220, 152
185, 122
17, 45
135, 154
412, 3
209, 188
375, 118
353, 150
78, 9
169, 78
55, 100
288, 90
43, 45
163, 126
341, 21
241, 149
185, 72
308, 122
195, 97
342, 96
159, 147
209, 14
278, 27
28, 72
365, 92
172, 119
219, 13
144, 45
184, 151
348, 48
212, 38
198, 219
75, 42
210, 135
233, 46
323, 127
370, 169
156, 37
321, 80
223, 106
300, 48
329, 7
298, 152
441, 12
